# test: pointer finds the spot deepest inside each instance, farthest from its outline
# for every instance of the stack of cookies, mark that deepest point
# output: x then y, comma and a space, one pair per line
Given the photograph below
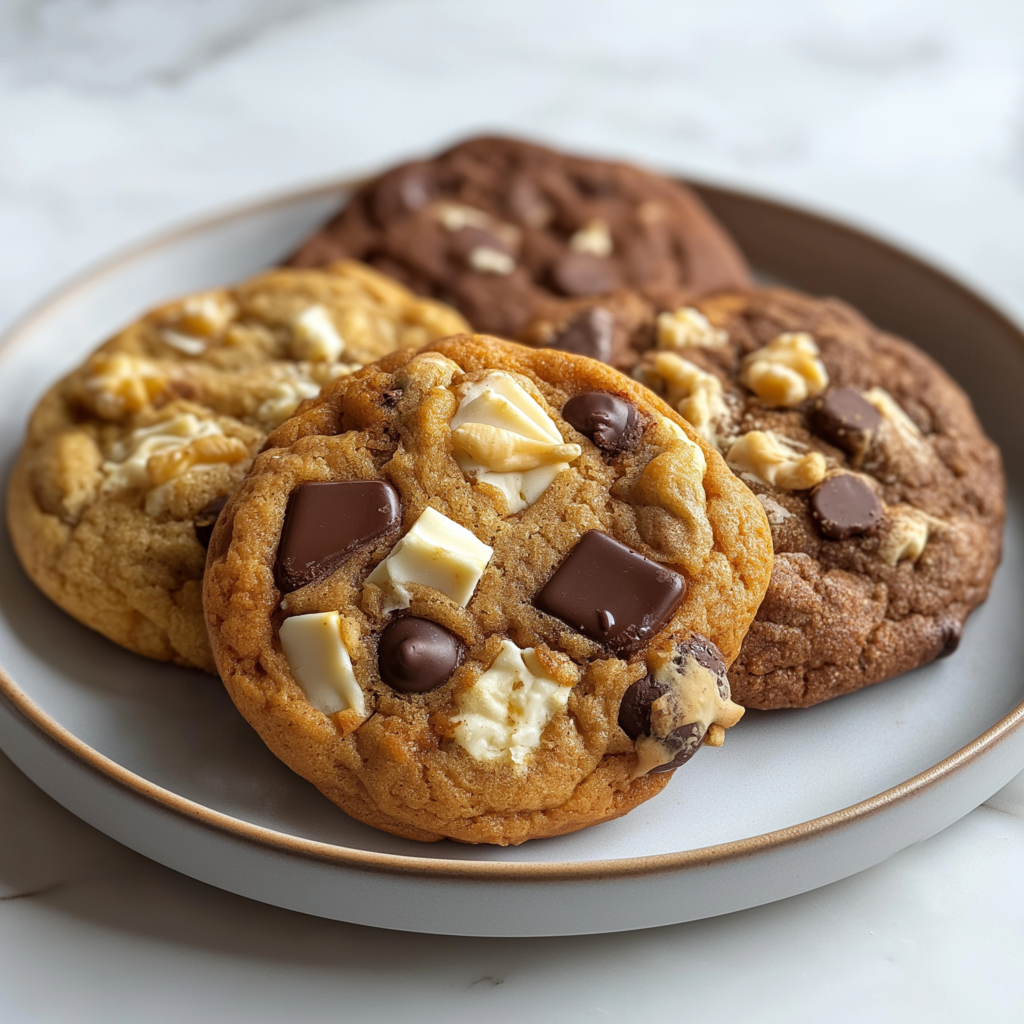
496, 586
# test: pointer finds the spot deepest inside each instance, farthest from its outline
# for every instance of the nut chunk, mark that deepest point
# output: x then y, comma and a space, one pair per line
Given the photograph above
769, 458
786, 371
320, 662
504, 713
504, 438
437, 552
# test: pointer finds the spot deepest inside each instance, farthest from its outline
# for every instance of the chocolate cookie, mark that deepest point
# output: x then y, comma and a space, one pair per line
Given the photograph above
130, 458
485, 592
537, 245
885, 498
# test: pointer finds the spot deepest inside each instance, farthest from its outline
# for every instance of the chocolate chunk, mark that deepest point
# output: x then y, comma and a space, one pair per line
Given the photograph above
844, 418
845, 506
206, 519
589, 333
611, 593
327, 521
402, 192
528, 205
466, 240
635, 721
417, 655
580, 273
611, 423
950, 631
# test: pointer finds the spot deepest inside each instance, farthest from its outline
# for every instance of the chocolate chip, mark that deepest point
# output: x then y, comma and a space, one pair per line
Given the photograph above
389, 399
708, 656
326, 521
527, 203
589, 333
845, 506
635, 721
844, 418
580, 273
950, 631
206, 519
600, 575
402, 192
610, 422
466, 240
416, 655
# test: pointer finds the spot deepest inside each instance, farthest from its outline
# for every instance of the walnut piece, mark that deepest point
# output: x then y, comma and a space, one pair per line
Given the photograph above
696, 394
786, 371
687, 327
117, 385
772, 460
594, 237
907, 531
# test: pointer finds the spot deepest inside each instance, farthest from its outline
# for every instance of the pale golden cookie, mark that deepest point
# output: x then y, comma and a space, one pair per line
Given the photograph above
485, 592
128, 456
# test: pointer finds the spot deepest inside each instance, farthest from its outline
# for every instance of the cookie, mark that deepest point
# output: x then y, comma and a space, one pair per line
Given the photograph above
528, 243
129, 458
485, 592
885, 497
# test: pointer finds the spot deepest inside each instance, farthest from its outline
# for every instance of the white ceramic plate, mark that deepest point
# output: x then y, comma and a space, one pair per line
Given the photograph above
157, 757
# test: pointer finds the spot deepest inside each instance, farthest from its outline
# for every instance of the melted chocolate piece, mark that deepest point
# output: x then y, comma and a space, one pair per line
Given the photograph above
844, 418
845, 506
417, 655
206, 519
610, 422
402, 192
950, 631
327, 521
611, 593
527, 203
581, 273
589, 333
635, 721
635, 706
390, 398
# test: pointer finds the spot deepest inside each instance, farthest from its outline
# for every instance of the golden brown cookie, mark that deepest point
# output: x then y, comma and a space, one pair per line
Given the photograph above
885, 497
538, 245
485, 592
130, 457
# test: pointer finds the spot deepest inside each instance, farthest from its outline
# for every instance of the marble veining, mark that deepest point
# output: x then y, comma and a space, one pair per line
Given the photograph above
121, 117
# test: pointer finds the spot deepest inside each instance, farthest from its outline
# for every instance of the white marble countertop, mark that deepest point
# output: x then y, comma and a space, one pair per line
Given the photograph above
121, 117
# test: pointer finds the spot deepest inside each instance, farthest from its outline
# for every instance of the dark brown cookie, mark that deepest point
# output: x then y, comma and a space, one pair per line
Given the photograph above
524, 240
885, 498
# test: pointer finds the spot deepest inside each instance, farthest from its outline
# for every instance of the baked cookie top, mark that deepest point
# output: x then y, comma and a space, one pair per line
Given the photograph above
129, 458
525, 241
486, 592
885, 497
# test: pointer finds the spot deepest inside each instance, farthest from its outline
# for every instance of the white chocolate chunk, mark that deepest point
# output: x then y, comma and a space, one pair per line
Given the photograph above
504, 438
595, 238
907, 531
118, 384
892, 411
456, 216
200, 319
786, 371
488, 260
130, 459
687, 327
303, 381
437, 552
314, 336
772, 460
320, 662
696, 394
504, 713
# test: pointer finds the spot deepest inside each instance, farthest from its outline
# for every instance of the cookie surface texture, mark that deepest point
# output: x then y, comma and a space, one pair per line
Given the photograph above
536, 245
885, 497
461, 675
129, 458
